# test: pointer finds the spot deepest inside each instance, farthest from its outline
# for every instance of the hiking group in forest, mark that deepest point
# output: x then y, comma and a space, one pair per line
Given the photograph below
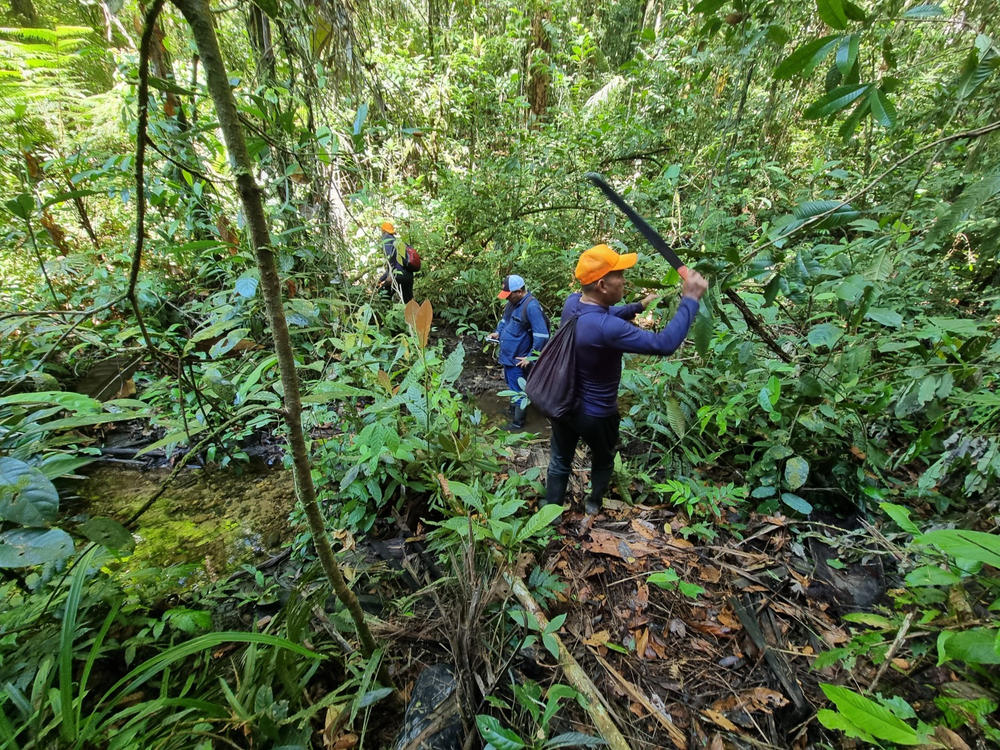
575, 383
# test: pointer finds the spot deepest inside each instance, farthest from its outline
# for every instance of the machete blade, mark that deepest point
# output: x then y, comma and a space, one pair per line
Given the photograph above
651, 235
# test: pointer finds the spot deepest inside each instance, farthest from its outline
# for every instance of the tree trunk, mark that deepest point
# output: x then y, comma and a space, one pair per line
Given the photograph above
199, 18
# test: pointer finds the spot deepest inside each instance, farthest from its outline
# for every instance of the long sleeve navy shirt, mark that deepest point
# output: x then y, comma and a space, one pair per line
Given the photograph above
521, 330
603, 334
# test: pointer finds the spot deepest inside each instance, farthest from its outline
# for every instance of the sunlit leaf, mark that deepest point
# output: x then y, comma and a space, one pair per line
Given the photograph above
805, 58
834, 101
832, 12
876, 719
883, 109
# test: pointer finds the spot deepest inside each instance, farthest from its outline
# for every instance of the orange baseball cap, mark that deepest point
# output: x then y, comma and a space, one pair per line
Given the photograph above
601, 260
388, 228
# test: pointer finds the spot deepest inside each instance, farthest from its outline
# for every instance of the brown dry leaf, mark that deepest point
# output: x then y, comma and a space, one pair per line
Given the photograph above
383, 380
643, 528
658, 649
641, 596
443, 481
599, 638
615, 545
641, 642
712, 628
785, 608
679, 543
728, 619
950, 739
719, 720
710, 574
834, 636
802, 581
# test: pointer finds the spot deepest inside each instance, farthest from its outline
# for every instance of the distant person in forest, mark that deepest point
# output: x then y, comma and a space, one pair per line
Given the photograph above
522, 330
603, 334
397, 279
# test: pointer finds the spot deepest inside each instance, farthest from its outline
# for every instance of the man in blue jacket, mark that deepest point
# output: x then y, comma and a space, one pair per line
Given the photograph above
521, 331
603, 334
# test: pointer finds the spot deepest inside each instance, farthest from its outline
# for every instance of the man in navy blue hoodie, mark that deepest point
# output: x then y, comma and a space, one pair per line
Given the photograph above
521, 331
603, 334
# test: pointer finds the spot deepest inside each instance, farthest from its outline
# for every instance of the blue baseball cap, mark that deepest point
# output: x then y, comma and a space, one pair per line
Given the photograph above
512, 283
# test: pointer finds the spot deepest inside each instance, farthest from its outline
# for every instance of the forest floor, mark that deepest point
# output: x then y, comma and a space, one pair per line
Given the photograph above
728, 664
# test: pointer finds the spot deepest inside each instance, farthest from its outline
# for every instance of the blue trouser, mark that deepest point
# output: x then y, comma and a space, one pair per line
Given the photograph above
600, 434
512, 373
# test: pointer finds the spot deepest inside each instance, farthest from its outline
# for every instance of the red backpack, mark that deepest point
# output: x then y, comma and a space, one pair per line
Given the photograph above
411, 261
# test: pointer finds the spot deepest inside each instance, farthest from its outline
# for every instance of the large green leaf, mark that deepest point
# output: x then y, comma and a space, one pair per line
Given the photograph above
980, 64
108, 533
885, 316
973, 646
497, 736
926, 10
971, 199
541, 519
977, 546
901, 515
833, 720
805, 58
883, 109
66, 399
847, 53
796, 472
21, 206
834, 101
874, 718
675, 417
27, 497
797, 503
824, 334
701, 332
832, 12
453, 365
20, 548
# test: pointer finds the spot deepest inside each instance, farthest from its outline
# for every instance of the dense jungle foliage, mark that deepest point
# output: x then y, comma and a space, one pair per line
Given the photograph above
833, 168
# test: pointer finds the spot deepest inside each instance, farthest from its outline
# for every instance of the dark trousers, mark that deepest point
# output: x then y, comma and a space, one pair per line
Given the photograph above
405, 280
600, 434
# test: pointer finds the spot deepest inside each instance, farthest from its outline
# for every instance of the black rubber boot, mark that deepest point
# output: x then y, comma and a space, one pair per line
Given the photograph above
516, 419
599, 480
555, 488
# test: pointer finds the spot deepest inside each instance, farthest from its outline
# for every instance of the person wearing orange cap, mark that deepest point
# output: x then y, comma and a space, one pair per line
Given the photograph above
603, 334
396, 278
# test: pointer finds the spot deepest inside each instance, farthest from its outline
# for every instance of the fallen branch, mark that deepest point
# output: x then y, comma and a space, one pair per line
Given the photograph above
900, 637
772, 654
676, 735
573, 671
756, 326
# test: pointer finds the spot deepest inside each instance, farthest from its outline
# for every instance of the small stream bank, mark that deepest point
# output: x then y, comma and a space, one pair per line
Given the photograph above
215, 519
